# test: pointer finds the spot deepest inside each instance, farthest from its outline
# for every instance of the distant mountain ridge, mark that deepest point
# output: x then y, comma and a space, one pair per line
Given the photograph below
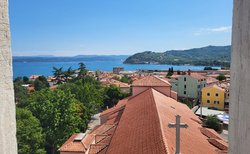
49, 58
205, 56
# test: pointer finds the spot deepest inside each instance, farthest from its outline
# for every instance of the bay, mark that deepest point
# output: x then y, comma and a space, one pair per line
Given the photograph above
46, 68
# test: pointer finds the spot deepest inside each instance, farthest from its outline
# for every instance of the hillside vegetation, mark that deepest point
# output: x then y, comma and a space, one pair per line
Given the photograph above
210, 55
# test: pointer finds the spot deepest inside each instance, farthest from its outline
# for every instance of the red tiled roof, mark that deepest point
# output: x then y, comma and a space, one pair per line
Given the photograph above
175, 76
34, 76
53, 87
95, 148
103, 129
71, 139
210, 133
88, 140
218, 143
119, 84
139, 128
143, 127
211, 80
213, 86
71, 146
115, 117
197, 76
113, 109
31, 88
167, 79
150, 81
99, 138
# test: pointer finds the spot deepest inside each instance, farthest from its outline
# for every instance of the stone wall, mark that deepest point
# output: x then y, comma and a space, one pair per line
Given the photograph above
239, 112
8, 143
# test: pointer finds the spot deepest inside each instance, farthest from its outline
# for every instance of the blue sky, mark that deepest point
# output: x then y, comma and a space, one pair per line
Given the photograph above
104, 27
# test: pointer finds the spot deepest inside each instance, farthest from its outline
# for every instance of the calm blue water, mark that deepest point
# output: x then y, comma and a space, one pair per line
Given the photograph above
46, 68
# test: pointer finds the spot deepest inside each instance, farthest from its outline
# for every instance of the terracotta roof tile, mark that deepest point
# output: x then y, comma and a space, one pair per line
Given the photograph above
99, 138
192, 140
113, 109
197, 76
31, 88
88, 140
53, 87
213, 86
167, 79
95, 128
148, 132
139, 128
104, 128
103, 151
95, 148
211, 80
218, 143
210, 133
151, 81
175, 76
107, 139
71, 139
115, 117
76, 146
34, 76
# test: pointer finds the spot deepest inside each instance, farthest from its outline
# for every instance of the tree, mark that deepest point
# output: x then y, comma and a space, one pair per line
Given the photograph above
89, 93
68, 73
18, 79
170, 72
82, 70
208, 68
29, 134
19, 91
59, 114
41, 83
58, 74
25, 79
221, 77
213, 122
112, 95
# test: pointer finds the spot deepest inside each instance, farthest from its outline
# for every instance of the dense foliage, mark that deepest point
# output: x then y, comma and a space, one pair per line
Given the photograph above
29, 134
123, 79
221, 77
213, 122
51, 117
210, 55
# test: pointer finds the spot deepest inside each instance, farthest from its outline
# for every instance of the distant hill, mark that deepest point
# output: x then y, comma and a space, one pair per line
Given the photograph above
205, 56
68, 59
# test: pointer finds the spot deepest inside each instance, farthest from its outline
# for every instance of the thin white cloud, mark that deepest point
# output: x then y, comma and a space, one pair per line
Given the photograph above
197, 34
221, 29
203, 31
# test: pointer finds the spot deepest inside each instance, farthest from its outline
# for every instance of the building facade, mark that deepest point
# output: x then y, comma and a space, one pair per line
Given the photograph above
213, 96
188, 86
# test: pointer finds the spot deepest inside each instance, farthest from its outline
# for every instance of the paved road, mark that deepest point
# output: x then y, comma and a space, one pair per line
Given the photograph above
95, 120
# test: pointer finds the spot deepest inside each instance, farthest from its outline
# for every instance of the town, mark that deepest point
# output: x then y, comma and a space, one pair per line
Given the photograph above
198, 96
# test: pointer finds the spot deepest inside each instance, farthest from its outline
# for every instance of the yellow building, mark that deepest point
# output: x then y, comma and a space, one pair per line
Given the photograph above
213, 96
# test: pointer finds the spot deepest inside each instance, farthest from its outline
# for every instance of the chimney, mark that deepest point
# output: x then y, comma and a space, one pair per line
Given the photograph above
189, 72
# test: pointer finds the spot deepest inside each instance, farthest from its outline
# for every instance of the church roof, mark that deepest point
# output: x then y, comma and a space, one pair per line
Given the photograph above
143, 127
139, 124
151, 81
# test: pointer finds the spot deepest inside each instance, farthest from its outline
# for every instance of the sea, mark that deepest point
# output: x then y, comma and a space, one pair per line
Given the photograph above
46, 68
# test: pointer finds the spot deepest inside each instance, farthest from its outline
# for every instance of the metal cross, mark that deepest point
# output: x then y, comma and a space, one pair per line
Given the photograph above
177, 125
